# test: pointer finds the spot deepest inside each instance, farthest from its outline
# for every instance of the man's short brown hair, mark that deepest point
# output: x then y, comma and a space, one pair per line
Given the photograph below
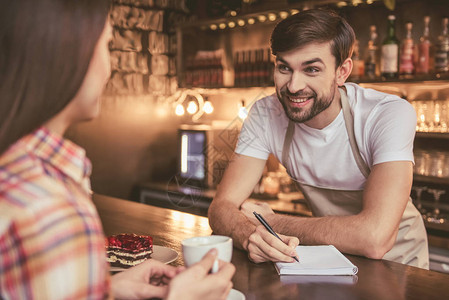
314, 26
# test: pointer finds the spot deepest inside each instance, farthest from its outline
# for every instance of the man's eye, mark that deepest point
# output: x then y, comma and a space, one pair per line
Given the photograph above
312, 70
283, 68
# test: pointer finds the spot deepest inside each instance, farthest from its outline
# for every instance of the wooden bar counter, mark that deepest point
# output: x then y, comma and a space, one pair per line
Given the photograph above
376, 279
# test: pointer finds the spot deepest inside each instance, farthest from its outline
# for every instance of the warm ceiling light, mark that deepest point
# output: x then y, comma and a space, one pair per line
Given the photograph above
222, 25
243, 111
369, 1
231, 24
192, 107
233, 13
294, 11
208, 108
179, 111
342, 3
251, 21
272, 17
283, 14
262, 18
241, 22
213, 27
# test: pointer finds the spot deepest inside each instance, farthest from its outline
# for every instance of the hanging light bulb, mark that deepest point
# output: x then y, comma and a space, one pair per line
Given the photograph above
241, 22
208, 108
251, 21
283, 14
192, 107
243, 112
179, 111
294, 11
272, 17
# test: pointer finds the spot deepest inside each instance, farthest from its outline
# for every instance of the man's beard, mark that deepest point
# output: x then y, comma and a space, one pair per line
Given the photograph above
301, 115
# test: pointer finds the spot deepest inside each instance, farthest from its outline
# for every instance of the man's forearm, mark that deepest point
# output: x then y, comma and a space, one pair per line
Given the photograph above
350, 234
226, 219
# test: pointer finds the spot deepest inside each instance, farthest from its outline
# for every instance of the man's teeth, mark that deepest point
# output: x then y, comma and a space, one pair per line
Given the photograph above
299, 100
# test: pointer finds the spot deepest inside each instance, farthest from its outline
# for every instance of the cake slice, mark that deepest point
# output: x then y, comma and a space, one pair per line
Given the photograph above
127, 250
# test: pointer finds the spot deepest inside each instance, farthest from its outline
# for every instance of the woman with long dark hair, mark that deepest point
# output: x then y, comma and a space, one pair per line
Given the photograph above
54, 62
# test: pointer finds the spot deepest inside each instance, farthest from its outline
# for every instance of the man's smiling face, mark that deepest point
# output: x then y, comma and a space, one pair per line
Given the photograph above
306, 82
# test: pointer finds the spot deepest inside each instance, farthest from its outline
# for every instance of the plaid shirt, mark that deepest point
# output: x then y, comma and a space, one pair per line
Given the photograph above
51, 238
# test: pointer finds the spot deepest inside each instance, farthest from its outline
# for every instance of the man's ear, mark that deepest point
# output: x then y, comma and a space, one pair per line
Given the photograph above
344, 71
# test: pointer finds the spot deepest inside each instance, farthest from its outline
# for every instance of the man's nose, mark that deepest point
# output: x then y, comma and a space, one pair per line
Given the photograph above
297, 83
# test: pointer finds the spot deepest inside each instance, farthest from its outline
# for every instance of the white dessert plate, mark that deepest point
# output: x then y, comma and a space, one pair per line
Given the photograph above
235, 295
160, 253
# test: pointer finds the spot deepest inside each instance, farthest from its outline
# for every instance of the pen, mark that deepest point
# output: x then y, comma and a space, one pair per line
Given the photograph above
268, 227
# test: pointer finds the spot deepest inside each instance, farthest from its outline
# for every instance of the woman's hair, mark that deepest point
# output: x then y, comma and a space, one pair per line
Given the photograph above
45, 51
314, 26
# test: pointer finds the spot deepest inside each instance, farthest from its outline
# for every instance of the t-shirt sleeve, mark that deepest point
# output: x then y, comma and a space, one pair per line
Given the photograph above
252, 139
393, 132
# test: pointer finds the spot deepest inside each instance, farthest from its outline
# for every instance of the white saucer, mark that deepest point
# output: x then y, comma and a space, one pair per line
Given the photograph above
235, 295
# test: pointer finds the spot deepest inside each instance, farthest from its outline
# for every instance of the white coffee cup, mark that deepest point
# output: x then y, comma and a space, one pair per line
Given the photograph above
193, 249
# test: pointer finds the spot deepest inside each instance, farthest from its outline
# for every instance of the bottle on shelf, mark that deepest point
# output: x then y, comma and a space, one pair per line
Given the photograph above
424, 64
358, 63
406, 60
237, 69
251, 68
270, 63
260, 68
390, 51
371, 55
442, 51
266, 66
246, 70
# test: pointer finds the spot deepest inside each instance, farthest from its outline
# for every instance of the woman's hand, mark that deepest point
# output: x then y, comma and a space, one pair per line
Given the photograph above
196, 282
149, 279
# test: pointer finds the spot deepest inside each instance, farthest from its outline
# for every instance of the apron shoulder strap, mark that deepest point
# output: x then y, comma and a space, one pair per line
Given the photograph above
349, 123
287, 142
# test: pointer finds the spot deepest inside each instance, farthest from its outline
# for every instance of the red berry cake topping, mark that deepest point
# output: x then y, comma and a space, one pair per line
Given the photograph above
127, 250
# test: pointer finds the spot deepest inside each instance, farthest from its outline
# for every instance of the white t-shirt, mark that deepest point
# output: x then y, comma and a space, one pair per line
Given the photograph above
384, 127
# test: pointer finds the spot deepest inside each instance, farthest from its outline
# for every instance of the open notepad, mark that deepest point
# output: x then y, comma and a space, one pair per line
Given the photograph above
318, 260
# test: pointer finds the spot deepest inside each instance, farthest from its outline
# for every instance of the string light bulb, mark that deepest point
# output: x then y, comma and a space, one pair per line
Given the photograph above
192, 107
294, 11
179, 111
262, 18
283, 14
243, 111
208, 108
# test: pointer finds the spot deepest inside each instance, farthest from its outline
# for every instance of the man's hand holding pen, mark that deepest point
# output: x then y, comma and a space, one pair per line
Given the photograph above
263, 245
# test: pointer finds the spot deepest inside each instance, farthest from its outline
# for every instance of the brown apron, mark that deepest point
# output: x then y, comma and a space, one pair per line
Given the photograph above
411, 246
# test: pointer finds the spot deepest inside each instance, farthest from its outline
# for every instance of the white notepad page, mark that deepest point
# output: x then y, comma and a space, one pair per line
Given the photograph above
318, 260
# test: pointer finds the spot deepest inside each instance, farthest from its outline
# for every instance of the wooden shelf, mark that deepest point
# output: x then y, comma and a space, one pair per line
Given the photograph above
432, 135
431, 179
